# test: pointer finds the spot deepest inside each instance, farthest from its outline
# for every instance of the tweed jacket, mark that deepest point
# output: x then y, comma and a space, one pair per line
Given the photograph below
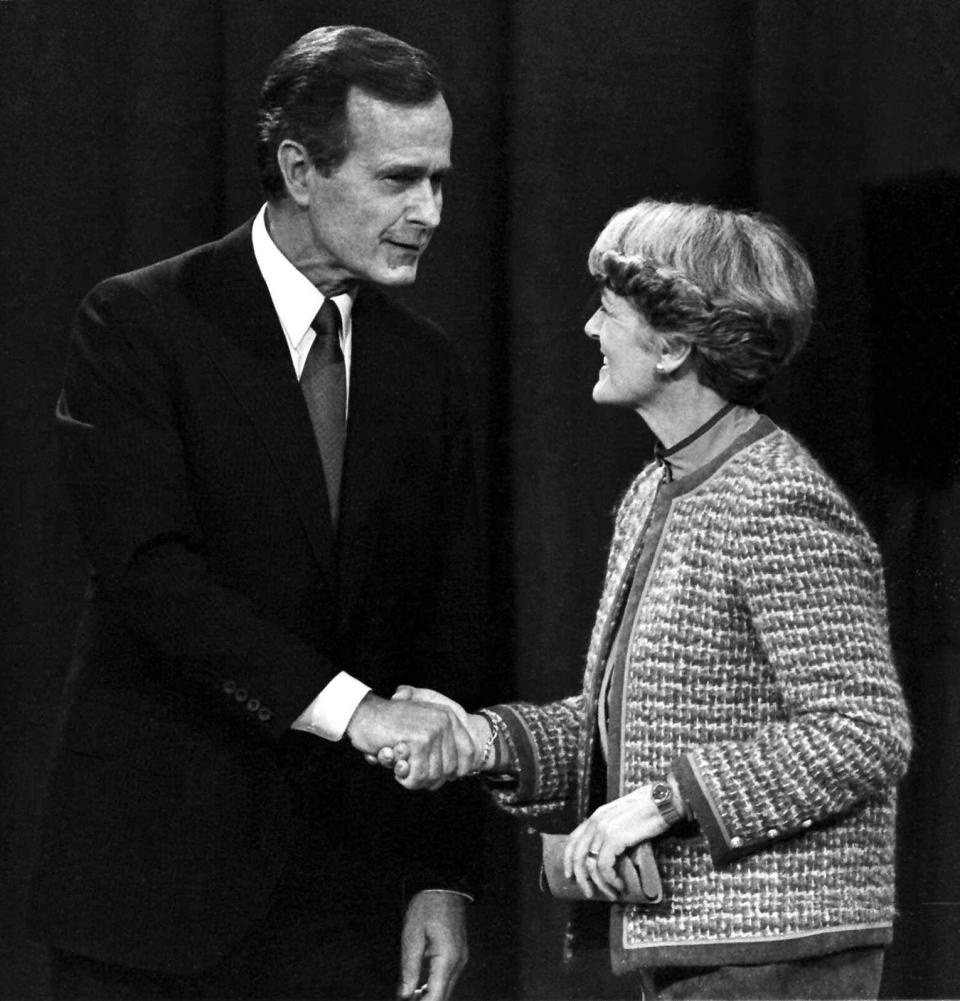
759, 670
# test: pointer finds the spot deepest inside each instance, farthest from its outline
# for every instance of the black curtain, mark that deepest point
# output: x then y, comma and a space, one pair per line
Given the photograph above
127, 134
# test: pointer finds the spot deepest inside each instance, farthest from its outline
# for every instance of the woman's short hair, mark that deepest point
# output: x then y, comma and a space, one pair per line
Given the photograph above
734, 285
304, 97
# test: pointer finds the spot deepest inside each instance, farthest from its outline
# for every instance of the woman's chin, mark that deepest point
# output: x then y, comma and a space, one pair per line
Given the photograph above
601, 388
603, 392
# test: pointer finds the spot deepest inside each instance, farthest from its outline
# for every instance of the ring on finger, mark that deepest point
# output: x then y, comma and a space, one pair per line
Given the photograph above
592, 854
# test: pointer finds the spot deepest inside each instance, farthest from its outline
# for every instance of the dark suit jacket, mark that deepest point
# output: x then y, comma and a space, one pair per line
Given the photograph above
220, 604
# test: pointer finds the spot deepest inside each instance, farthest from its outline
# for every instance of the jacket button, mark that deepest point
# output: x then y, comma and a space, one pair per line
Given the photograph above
772, 833
241, 694
229, 687
253, 705
264, 715
736, 842
807, 823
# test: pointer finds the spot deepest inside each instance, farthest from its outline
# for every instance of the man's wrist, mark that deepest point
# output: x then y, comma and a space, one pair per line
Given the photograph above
332, 711
462, 894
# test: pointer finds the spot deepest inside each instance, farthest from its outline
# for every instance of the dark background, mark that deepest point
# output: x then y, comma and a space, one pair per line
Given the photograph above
126, 135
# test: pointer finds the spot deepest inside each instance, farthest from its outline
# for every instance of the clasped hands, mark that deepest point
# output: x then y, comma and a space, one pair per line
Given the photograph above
426, 738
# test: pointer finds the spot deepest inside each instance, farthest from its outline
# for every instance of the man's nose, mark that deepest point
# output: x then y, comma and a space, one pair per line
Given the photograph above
427, 204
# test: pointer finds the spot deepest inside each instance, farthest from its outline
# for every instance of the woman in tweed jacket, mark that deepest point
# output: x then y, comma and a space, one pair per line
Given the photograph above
740, 708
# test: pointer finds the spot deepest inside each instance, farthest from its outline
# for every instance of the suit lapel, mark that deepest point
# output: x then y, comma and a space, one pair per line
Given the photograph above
248, 346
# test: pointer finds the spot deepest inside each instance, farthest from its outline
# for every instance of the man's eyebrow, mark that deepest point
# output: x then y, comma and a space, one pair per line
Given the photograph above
414, 170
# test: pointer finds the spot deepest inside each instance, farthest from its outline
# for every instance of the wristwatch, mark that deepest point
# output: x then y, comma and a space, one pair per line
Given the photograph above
661, 792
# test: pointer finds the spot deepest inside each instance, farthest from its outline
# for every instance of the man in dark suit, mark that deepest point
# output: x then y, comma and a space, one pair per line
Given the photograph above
271, 467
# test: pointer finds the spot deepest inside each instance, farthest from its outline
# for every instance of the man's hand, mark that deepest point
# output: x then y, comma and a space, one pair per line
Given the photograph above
408, 692
397, 755
438, 745
435, 932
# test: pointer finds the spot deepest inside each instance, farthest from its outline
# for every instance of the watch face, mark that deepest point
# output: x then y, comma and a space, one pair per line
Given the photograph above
661, 793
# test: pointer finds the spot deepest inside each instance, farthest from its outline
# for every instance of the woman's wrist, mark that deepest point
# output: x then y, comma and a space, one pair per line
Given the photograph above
483, 732
490, 737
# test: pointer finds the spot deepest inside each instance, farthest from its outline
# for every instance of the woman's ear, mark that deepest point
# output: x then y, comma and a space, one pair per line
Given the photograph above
674, 351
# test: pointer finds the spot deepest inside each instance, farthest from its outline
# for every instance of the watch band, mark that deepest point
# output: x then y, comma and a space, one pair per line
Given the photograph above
661, 793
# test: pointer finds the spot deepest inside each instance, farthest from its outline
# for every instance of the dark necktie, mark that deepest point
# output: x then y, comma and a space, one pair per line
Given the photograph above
324, 386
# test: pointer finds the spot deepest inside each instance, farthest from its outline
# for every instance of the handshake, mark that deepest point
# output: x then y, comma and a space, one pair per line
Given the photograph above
426, 738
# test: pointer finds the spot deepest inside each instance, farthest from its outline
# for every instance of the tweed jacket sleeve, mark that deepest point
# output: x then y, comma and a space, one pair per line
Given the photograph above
811, 582
543, 743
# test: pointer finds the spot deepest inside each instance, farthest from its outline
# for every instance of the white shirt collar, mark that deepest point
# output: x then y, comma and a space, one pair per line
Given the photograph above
295, 298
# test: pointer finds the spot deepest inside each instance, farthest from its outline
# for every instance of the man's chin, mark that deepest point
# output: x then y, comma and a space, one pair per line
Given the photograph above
395, 277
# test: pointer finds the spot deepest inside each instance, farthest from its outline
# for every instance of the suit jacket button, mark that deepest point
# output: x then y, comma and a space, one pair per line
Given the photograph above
229, 687
736, 842
264, 714
253, 705
241, 694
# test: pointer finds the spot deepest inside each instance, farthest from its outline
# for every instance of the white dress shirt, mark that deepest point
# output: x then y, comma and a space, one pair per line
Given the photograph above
297, 302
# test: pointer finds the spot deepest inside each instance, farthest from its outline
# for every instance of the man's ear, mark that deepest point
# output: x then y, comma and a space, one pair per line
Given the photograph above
674, 351
296, 166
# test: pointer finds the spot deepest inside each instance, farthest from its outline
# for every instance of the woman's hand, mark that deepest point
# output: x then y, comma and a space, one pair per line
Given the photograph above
593, 848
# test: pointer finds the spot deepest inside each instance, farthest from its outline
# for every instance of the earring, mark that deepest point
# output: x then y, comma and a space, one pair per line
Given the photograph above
660, 370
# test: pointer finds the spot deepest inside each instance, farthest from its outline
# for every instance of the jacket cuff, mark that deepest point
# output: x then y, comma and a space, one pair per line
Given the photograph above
726, 845
441, 880
523, 786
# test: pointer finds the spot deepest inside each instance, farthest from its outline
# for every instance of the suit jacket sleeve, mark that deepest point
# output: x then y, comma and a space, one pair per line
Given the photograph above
128, 475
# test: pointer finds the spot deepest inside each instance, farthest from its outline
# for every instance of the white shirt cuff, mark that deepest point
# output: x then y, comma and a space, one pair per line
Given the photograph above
457, 893
330, 712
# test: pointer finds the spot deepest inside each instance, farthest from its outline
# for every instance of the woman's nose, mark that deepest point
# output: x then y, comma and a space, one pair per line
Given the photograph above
592, 327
